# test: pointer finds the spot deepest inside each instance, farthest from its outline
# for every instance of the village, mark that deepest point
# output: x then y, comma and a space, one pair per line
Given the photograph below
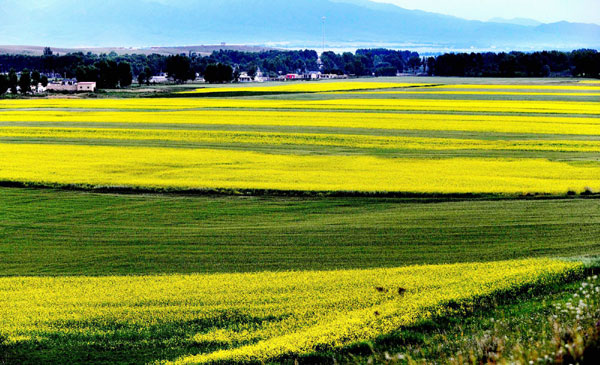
72, 85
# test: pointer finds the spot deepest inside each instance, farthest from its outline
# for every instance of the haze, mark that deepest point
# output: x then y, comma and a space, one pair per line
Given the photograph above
547, 11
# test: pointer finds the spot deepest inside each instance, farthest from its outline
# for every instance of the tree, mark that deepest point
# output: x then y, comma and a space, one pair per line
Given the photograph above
142, 77
44, 80
35, 79
218, 73
108, 77
3, 84
180, 69
124, 74
252, 70
47, 51
13, 81
25, 82
414, 63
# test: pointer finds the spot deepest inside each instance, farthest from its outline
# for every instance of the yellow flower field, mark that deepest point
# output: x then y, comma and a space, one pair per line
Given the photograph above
259, 316
419, 121
512, 146
519, 87
206, 168
429, 105
308, 87
476, 92
231, 138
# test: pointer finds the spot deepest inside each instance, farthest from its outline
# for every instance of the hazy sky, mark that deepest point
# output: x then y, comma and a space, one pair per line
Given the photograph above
584, 11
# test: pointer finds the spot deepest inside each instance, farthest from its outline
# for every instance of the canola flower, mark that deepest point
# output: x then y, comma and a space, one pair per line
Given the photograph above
233, 138
260, 316
575, 87
307, 87
476, 92
356, 86
401, 121
427, 105
184, 168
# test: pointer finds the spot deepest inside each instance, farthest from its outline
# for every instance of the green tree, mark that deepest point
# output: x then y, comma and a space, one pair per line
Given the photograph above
44, 80
13, 81
414, 63
108, 77
35, 79
3, 84
25, 82
47, 51
180, 69
218, 73
124, 73
142, 77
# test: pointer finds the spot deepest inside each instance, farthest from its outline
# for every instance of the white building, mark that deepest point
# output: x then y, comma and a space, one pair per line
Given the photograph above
86, 87
244, 77
260, 77
160, 79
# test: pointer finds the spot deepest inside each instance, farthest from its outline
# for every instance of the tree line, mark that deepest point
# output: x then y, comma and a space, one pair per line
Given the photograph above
23, 82
112, 70
579, 63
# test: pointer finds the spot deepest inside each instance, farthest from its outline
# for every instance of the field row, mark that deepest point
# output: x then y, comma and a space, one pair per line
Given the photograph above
47, 232
521, 124
358, 87
349, 145
235, 139
245, 317
214, 169
423, 105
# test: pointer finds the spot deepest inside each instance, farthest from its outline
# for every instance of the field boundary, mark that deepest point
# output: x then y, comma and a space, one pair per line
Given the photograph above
135, 190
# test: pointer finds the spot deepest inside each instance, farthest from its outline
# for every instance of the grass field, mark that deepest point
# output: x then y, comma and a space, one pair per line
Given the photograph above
293, 222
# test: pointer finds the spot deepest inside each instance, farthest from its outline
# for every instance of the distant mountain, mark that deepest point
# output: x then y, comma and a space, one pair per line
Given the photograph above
295, 23
517, 21
201, 50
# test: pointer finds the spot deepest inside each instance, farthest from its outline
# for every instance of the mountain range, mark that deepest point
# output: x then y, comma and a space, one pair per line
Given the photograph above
280, 23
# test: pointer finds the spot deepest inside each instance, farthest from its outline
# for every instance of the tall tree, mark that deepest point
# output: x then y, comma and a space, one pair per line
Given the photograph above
25, 82
13, 81
35, 79
125, 75
142, 77
218, 73
180, 69
3, 84
108, 74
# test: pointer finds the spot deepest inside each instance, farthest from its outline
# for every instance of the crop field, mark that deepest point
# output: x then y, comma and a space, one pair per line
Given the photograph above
258, 224
338, 142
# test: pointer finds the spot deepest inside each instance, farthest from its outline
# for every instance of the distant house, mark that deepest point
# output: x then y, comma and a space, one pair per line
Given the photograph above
260, 77
313, 75
333, 76
69, 86
244, 77
86, 86
293, 77
160, 79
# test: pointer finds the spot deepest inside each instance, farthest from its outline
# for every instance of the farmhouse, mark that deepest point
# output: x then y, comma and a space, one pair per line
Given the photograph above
160, 79
244, 77
71, 86
62, 86
86, 86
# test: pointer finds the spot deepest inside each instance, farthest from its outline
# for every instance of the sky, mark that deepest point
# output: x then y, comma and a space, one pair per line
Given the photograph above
546, 11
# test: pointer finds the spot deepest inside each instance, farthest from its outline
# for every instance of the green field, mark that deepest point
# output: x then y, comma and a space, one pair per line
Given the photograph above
103, 198
52, 232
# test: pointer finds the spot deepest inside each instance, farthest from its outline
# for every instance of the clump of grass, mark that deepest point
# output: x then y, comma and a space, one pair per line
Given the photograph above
553, 330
